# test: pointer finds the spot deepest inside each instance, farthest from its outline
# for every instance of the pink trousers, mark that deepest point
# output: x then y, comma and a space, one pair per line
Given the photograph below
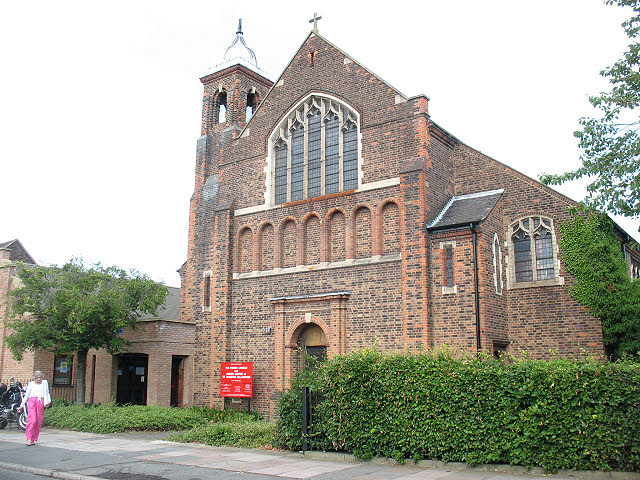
35, 407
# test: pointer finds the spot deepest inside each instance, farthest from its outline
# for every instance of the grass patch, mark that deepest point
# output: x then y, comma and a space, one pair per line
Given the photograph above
244, 434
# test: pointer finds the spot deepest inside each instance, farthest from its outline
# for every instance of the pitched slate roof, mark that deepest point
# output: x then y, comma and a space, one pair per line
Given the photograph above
170, 310
466, 209
18, 252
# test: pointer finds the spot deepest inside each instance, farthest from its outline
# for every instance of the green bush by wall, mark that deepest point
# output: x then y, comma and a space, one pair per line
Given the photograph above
556, 414
112, 418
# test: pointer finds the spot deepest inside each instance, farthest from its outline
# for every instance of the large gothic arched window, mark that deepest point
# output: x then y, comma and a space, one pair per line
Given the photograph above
315, 151
532, 250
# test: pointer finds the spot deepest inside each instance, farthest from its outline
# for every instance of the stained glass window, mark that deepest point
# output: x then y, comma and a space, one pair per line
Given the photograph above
533, 247
315, 151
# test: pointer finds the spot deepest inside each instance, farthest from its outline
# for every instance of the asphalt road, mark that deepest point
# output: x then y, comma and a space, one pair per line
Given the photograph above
10, 475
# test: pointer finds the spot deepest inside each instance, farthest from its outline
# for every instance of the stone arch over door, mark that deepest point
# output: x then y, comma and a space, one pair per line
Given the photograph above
292, 314
309, 338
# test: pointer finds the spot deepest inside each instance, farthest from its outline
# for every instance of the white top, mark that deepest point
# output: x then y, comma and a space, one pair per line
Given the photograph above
37, 390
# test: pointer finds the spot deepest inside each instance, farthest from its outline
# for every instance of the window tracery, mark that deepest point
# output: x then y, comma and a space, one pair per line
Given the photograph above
533, 250
315, 151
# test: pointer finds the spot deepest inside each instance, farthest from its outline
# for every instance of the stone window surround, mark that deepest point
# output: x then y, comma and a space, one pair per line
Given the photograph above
354, 116
511, 273
206, 274
446, 290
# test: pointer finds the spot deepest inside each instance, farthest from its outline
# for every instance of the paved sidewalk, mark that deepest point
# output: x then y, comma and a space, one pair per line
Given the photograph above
107, 456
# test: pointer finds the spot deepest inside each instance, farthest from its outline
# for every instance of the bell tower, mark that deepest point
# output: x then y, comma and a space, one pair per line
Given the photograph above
235, 88
231, 94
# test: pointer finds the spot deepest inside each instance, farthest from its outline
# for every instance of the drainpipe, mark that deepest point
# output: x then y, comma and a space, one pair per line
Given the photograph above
473, 226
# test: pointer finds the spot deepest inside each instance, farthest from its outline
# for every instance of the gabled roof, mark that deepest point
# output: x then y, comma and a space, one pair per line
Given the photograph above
170, 309
316, 34
18, 252
466, 209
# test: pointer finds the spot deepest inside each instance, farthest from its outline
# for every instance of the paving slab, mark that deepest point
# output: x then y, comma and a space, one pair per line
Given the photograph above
145, 456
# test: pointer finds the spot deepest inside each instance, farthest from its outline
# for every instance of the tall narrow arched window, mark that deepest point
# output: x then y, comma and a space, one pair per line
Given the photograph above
314, 151
497, 265
532, 250
222, 107
251, 104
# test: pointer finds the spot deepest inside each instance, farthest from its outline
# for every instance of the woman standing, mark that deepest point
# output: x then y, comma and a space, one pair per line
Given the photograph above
36, 398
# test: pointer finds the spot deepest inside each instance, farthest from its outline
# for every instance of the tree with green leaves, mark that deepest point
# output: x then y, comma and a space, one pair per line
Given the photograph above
70, 309
592, 253
610, 141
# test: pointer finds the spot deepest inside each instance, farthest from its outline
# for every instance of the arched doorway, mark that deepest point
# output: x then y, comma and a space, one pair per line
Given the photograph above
313, 342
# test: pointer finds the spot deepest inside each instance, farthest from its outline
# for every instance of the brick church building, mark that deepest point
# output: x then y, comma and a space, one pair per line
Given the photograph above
331, 212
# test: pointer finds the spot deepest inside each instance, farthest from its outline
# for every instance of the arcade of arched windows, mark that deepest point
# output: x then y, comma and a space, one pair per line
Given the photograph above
338, 235
215, 107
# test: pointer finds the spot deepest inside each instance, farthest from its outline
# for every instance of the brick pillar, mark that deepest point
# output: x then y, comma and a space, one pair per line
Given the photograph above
220, 318
413, 234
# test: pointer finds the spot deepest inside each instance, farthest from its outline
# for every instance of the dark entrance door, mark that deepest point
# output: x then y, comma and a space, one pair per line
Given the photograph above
132, 378
313, 342
177, 376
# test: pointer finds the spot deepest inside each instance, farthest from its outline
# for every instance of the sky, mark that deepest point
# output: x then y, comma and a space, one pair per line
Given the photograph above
100, 102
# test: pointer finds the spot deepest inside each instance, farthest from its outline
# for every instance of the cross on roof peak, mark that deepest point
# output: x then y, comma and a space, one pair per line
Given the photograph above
314, 20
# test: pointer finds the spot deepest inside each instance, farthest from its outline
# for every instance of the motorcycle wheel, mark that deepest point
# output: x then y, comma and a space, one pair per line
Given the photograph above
3, 422
22, 421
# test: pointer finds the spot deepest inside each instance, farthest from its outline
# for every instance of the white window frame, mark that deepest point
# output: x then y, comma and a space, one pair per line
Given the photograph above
547, 223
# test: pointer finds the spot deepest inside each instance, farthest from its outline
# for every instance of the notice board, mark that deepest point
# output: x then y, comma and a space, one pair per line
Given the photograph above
236, 379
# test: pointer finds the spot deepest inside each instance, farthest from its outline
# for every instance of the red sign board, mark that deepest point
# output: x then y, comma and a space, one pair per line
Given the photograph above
236, 379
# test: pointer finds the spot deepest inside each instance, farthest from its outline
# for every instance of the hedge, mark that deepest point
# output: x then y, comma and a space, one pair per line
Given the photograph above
112, 418
558, 414
243, 434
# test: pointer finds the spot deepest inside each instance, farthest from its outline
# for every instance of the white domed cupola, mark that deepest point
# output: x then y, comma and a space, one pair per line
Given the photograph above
239, 52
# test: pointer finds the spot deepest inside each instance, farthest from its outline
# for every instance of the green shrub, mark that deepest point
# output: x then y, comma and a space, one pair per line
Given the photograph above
555, 414
247, 434
214, 415
288, 432
112, 418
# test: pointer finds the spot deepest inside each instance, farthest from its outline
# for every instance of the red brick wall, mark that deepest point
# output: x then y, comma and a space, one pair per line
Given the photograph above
312, 241
331, 246
390, 229
540, 320
337, 237
266, 242
363, 232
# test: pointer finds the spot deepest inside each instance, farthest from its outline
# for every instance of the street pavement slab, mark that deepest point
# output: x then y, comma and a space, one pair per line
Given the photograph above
143, 456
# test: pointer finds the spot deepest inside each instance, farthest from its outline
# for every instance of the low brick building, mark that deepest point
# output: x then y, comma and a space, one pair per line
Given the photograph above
155, 368
331, 212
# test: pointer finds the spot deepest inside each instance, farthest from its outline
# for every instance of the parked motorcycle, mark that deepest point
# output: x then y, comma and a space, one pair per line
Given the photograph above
10, 400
